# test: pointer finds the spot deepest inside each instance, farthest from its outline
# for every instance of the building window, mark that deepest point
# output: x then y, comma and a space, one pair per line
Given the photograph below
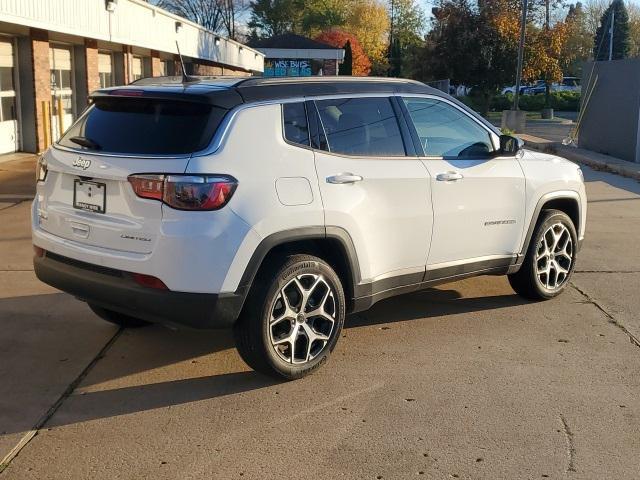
138, 68
60, 61
7, 88
105, 69
167, 68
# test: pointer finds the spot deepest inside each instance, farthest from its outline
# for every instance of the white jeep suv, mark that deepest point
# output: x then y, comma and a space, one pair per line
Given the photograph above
278, 206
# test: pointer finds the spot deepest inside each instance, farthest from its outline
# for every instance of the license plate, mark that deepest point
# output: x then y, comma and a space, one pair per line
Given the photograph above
89, 196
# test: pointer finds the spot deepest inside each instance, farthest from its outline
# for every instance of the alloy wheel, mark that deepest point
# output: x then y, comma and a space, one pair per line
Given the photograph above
302, 318
554, 257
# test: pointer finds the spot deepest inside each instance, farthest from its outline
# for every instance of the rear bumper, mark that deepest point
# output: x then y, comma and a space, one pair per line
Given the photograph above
116, 290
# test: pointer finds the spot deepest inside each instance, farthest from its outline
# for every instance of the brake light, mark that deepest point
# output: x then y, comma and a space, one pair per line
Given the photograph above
148, 186
186, 192
127, 93
38, 251
149, 281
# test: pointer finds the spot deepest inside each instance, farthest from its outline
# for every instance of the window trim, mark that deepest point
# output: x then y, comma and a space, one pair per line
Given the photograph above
398, 115
495, 139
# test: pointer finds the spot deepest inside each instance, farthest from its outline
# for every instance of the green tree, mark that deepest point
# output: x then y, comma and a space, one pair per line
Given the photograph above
406, 36
275, 17
620, 15
579, 43
634, 30
346, 67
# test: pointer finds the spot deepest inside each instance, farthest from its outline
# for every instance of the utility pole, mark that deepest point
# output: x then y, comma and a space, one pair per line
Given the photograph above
523, 27
391, 64
613, 17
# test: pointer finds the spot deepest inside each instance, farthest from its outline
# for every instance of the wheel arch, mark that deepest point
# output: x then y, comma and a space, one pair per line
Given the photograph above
566, 201
332, 244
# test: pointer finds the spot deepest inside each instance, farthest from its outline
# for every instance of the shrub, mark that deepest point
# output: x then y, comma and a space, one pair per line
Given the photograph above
560, 101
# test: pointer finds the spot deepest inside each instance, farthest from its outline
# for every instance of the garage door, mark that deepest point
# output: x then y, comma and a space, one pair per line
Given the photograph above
8, 115
61, 89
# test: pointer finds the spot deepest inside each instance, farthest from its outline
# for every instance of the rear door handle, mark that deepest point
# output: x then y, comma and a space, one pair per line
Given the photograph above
449, 177
343, 178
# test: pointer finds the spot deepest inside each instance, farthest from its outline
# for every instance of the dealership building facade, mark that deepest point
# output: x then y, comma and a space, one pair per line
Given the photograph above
53, 53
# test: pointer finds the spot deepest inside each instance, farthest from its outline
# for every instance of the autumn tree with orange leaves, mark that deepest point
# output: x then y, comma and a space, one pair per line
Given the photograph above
338, 39
476, 44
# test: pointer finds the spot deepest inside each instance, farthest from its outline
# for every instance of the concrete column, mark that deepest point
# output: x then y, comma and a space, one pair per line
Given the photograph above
92, 77
127, 63
27, 100
41, 80
80, 92
155, 64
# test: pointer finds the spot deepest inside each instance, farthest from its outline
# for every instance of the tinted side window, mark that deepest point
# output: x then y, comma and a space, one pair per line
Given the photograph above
296, 128
361, 127
445, 131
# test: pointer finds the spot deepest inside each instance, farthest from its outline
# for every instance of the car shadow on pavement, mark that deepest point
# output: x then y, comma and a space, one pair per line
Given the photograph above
145, 368
430, 303
122, 401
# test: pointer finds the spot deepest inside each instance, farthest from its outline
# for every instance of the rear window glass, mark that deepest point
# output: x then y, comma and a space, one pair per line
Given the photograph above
144, 126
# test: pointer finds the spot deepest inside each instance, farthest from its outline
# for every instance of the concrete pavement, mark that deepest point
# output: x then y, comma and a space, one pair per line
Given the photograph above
464, 381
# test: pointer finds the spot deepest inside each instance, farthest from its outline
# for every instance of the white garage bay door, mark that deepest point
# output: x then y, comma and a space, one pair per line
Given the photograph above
8, 111
60, 62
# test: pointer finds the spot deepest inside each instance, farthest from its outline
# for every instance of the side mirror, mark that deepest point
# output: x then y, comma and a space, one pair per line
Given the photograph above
510, 146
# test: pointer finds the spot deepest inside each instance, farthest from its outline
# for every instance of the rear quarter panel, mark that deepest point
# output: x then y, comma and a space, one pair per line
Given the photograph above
277, 182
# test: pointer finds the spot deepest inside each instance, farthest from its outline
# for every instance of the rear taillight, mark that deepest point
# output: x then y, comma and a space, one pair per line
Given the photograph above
38, 251
186, 192
148, 186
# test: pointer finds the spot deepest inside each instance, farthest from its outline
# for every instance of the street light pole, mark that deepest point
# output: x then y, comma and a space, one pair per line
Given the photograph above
613, 16
523, 27
391, 52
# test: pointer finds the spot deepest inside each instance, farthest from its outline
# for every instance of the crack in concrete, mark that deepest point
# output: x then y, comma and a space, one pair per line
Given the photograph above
632, 338
27, 437
607, 271
571, 449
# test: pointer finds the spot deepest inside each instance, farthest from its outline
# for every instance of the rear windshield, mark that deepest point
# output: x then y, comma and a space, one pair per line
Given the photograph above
144, 126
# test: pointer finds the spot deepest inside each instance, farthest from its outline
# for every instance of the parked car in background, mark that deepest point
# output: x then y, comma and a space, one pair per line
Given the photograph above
568, 84
512, 89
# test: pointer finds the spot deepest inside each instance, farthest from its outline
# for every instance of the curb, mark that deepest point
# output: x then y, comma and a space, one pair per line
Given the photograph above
597, 161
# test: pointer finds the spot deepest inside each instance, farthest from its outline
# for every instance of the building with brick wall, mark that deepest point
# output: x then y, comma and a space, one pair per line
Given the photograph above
54, 53
291, 55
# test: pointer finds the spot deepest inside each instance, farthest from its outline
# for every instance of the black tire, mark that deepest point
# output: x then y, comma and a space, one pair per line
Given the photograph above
526, 282
254, 332
119, 319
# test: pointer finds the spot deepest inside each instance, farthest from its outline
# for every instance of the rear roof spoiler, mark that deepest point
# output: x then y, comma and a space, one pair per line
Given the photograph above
226, 98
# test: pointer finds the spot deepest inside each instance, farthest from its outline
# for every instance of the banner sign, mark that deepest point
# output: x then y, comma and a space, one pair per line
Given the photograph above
283, 67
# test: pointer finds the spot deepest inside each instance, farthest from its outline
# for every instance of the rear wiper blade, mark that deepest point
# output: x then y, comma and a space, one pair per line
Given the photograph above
85, 142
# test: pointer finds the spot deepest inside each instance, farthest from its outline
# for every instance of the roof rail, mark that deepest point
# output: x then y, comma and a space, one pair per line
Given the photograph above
258, 81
